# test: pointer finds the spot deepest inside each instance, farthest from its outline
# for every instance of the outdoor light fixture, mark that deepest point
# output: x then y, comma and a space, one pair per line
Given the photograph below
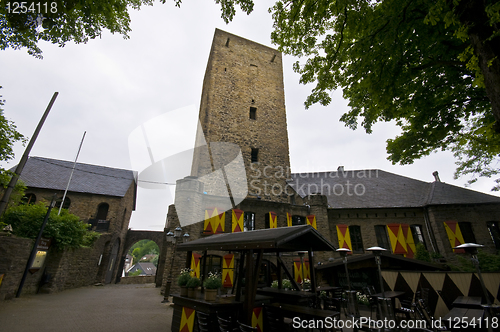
471, 249
352, 301
385, 310
172, 238
343, 252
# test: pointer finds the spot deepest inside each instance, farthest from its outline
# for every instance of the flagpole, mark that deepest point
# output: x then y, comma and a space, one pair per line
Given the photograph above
71, 175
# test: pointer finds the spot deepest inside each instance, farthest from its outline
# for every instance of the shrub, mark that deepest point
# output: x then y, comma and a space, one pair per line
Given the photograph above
66, 230
285, 283
213, 281
184, 277
193, 282
422, 253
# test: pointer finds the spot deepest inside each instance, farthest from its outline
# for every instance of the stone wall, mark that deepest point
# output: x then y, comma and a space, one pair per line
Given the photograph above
243, 76
137, 280
14, 254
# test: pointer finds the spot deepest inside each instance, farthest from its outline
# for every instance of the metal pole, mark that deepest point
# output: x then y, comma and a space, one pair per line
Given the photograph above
24, 158
33, 251
71, 175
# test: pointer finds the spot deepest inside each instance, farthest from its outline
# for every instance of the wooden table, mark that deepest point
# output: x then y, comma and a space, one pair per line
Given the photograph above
327, 289
286, 296
471, 302
389, 294
464, 319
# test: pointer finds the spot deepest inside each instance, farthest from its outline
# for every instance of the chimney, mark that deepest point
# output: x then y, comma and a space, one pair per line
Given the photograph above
340, 169
436, 176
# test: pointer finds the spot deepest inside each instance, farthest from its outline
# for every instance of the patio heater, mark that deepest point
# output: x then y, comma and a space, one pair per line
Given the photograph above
384, 305
352, 301
471, 249
172, 239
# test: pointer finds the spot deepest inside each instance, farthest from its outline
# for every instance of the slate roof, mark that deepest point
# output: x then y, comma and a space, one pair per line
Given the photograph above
146, 267
379, 189
54, 174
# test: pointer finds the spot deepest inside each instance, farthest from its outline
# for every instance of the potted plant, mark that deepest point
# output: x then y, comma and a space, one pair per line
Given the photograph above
212, 283
183, 279
192, 286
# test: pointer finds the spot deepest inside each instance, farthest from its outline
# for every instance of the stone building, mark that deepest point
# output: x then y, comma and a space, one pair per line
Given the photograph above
101, 196
241, 179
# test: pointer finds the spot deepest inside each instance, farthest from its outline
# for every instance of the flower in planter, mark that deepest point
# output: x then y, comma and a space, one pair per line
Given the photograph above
286, 283
213, 281
306, 283
193, 283
184, 277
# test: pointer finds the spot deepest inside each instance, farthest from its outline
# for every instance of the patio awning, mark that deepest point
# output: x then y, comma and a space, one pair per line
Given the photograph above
294, 238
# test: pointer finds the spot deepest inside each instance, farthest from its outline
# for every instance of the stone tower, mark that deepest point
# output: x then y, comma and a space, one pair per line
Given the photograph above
242, 122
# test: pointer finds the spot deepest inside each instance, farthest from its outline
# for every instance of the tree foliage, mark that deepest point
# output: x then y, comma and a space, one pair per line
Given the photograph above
8, 135
59, 22
395, 61
142, 248
487, 262
66, 230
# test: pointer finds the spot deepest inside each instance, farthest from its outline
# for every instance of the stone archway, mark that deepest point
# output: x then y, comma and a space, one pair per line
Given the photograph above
134, 236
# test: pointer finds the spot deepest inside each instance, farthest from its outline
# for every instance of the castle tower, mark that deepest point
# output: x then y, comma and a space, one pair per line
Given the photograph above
243, 109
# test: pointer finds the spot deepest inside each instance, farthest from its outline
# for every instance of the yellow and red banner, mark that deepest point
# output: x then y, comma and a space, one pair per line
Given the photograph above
288, 219
297, 270
398, 242
311, 220
454, 235
228, 270
273, 220
195, 265
344, 237
237, 220
187, 319
257, 319
410, 242
214, 222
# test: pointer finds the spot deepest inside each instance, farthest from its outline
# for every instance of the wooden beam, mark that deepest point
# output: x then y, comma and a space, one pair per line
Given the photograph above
247, 302
239, 276
290, 277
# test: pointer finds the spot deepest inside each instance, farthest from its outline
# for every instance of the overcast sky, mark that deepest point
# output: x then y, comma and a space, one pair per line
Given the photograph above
110, 86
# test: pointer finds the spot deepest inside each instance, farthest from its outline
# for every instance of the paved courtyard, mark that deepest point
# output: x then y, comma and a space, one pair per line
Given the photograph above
107, 308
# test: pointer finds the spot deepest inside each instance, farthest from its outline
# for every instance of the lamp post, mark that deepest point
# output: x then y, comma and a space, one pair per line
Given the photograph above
352, 301
471, 249
172, 239
384, 305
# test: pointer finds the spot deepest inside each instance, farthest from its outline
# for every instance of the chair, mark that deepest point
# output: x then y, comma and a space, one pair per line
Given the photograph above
372, 302
274, 319
424, 313
337, 301
246, 328
407, 308
203, 321
226, 324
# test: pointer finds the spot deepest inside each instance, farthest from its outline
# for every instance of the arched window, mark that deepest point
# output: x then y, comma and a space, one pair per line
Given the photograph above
102, 211
29, 199
66, 204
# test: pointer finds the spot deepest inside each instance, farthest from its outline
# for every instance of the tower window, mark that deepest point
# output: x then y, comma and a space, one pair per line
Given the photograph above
253, 113
255, 156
